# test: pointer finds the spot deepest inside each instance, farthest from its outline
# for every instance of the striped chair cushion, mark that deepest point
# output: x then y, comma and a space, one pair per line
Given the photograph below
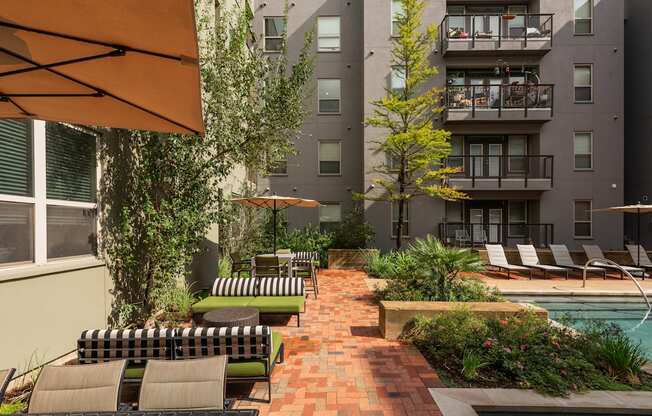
234, 287
236, 342
135, 345
286, 286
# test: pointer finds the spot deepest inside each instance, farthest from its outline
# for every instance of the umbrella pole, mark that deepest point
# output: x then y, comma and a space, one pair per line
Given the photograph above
275, 212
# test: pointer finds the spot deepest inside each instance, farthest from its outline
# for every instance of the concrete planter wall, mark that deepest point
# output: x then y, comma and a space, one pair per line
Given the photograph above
393, 316
349, 259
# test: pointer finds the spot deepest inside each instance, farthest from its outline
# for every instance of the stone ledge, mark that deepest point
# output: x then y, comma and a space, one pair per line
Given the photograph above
393, 316
349, 259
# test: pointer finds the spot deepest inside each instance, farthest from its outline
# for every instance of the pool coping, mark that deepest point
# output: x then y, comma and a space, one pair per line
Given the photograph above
467, 402
573, 292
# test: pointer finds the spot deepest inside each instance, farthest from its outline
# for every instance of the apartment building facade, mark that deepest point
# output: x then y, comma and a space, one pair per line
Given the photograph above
533, 96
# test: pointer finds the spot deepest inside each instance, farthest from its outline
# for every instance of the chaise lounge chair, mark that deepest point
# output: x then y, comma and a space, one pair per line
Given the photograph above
78, 388
563, 259
639, 257
497, 259
595, 252
5, 378
530, 258
198, 384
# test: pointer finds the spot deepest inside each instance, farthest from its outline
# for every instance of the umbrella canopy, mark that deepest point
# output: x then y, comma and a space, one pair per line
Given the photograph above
276, 204
119, 63
637, 209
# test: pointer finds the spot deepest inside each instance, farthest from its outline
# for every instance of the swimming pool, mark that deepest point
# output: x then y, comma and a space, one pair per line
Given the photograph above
626, 312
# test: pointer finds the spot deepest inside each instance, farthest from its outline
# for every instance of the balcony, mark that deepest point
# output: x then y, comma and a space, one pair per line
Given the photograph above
506, 102
501, 172
509, 234
493, 34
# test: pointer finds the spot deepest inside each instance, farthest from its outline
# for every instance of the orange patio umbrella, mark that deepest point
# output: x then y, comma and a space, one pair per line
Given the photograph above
118, 63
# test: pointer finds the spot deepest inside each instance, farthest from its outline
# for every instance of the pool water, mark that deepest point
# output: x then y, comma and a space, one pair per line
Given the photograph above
626, 312
553, 414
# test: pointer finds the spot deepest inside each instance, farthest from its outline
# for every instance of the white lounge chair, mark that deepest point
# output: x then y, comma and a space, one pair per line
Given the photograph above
595, 252
497, 259
639, 256
563, 258
530, 258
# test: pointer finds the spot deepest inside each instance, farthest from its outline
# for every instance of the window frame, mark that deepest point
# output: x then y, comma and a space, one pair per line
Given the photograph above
581, 132
406, 221
509, 221
391, 19
265, 36
271, 165
396, 69
590, 19
40, 202
339, 35
524, 156
339, 146
329, 203
590, 86
339, 99
590, 221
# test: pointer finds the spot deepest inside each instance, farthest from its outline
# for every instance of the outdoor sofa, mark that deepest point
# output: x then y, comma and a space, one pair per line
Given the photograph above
252, 351
270, 295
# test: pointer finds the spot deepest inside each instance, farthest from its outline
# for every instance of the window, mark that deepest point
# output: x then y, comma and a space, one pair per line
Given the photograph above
397, 12
456, 159
456, 21
397, 80
274, 33
582, 216
48, 182
329, 96
329, 158
583, 81
406, 219
517, 218
583, 150
328, 34
583, 17
278, 168
517, 147
330, 215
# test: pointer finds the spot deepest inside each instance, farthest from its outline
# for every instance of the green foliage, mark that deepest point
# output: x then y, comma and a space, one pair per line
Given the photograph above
392, 265
523, 351
13, 407
621, 358
174, 304
353, 232
413, 147
224, 267
162, 192
309, 238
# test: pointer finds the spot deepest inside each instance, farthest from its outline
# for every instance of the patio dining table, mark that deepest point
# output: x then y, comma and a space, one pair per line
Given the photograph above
283, 259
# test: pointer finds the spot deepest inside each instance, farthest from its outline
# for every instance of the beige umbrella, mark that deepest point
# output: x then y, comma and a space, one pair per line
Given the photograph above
276, 204
637, 209
119, 63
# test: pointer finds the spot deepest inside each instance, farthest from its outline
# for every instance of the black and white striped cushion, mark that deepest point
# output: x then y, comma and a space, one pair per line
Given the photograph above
236, 342
286, 286
234, 287
135, 345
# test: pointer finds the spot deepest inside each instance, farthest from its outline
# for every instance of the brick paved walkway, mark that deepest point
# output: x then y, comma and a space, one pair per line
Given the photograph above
337, 364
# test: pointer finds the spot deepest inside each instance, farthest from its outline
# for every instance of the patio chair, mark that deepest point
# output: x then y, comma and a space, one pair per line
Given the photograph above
78, 388
198, 384
462, 238
639, 255
239, 264
530, 258
563, 258
313, 256
5, 378
497, 259
595, 252
267, 266
305, 269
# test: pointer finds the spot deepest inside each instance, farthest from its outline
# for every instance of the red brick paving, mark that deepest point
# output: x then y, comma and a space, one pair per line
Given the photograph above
337, 364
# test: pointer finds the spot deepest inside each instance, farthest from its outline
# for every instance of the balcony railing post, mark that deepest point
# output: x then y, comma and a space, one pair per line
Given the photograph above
473, 171
527, 24
552, 100
500, 100
525, 98
552, 171
500, 30
473, 32
552, 28
500, 171
473, 101
527, 171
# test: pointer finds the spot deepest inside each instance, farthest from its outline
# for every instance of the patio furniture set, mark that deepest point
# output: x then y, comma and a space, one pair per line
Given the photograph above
564, 263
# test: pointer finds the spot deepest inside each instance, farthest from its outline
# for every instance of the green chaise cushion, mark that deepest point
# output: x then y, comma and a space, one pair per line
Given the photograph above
280, 304
240, 368
220, 302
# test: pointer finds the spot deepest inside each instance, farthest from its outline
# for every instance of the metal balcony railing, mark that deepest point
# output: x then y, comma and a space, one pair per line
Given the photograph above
497, 27
501, 167
474, 235
500, 97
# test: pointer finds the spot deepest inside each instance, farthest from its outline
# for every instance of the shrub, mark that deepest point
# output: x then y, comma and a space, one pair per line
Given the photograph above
379, 265
12, 407
173, 305
309, 238
523, 351
353, 232
621, 358
224, 267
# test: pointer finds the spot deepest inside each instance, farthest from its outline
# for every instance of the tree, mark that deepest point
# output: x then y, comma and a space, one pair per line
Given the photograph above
414, 148
160, 192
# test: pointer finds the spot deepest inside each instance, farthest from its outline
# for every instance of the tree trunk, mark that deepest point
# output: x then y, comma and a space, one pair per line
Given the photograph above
399, 226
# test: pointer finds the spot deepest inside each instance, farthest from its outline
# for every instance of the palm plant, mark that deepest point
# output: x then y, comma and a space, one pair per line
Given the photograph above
444, 264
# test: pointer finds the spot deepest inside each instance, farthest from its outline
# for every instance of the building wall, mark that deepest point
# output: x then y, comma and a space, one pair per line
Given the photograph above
638, 89
43, 309
303, 179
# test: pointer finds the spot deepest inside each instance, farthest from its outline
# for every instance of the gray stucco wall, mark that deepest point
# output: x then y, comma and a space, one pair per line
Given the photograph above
638, 89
